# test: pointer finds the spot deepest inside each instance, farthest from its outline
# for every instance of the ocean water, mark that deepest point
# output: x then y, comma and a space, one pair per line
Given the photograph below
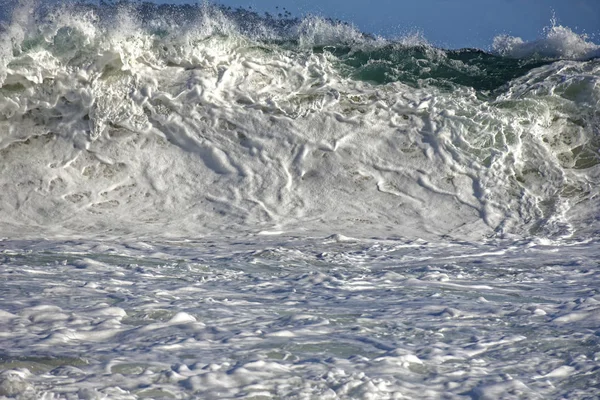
201, 202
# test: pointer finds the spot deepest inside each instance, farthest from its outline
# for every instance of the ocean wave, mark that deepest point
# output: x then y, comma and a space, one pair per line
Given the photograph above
182, 120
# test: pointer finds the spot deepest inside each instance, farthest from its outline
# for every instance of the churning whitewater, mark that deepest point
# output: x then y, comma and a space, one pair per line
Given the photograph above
133, 121
201, 202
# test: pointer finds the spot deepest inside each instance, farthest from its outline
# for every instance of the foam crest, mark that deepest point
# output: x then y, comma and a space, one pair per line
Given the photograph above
559, 43
21, 21
413, 39
316, 31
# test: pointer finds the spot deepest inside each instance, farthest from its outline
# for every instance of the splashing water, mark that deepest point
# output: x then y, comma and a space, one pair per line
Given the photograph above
199, 202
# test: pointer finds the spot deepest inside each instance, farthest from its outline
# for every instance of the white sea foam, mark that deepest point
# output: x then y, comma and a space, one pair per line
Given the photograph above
559, 43
298, 318
110, 127
230, 214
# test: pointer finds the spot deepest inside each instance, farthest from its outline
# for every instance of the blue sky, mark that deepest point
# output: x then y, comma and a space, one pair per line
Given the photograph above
448, 23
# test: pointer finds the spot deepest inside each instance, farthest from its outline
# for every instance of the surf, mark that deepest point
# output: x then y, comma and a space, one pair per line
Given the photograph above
182, 121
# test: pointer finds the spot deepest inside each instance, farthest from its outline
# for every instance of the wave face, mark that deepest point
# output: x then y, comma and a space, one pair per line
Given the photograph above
182, 121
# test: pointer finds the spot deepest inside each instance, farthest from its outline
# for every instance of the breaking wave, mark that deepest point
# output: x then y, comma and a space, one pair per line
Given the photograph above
187, 120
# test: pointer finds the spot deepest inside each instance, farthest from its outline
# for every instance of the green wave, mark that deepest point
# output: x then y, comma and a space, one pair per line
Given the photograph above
424, 65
